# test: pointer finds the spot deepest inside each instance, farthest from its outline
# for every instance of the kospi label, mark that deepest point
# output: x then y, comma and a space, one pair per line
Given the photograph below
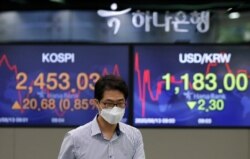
58, 57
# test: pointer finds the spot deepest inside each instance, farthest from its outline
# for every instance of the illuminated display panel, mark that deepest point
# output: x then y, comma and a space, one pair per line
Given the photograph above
52, 85
191, 86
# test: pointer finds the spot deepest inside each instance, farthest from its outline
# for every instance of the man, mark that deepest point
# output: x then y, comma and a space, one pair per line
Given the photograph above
105, 137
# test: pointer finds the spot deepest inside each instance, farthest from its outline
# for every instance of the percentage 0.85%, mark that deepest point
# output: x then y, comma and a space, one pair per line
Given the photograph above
61, 104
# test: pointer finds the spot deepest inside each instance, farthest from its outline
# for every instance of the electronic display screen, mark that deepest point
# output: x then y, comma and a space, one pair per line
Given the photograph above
52, 85
191, 86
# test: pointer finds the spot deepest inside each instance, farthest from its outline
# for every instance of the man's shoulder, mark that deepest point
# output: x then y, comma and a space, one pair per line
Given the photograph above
132, 134
128, 129
81, 130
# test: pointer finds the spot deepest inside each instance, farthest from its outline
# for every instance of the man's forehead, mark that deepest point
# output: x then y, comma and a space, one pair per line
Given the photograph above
113, 95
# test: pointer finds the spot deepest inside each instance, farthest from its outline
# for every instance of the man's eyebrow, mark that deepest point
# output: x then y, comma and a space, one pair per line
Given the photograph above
110, 100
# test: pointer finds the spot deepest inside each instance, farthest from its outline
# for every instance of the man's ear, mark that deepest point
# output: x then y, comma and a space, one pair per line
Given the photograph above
96, 103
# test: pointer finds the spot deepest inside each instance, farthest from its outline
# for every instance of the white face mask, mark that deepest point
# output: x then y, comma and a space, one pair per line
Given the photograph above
113, 115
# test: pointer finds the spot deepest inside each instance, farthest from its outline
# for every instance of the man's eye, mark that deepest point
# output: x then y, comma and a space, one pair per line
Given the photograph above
114, 104
109, 104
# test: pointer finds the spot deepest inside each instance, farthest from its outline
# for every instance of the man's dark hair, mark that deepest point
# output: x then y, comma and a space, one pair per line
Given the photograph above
110, 82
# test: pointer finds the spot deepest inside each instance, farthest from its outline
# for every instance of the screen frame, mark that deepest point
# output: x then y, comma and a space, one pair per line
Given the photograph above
131, 47
247, 44
129, 119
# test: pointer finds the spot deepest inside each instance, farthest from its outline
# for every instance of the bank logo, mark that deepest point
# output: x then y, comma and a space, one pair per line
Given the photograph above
113, 21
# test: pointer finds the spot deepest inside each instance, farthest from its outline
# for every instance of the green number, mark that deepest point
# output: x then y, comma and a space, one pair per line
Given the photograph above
213, 104
241, 82
185, 79
229, 82
201, 103
167, 81
216, 104
220, 104
211, 77
198, 83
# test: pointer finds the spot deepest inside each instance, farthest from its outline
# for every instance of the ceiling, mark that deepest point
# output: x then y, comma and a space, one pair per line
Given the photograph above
242, 5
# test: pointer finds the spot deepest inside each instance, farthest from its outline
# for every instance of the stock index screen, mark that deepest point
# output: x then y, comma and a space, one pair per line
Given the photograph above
52, 85
191, 86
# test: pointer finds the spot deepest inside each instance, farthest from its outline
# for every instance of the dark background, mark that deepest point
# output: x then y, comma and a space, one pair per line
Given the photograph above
139, 4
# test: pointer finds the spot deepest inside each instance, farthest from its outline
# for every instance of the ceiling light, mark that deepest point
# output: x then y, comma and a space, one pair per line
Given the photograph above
57, 1
234, 15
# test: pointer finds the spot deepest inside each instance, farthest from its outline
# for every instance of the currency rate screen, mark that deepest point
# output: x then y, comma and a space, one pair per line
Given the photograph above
191, 86
53, 85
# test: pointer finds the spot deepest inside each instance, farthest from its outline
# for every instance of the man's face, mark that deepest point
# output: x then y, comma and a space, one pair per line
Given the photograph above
112, 98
